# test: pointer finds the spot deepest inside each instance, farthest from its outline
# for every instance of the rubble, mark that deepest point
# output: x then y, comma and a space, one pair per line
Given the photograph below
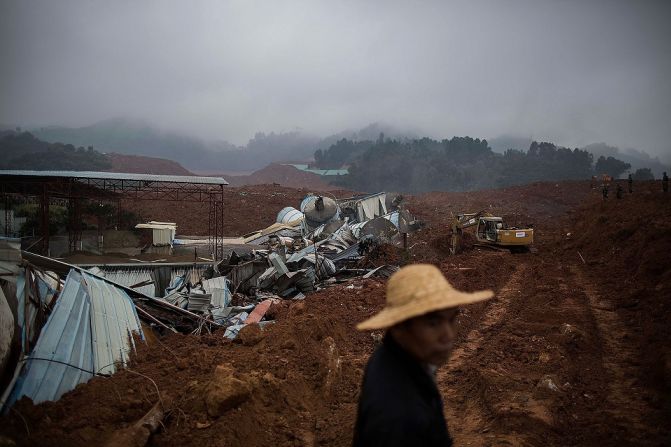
305, 369
77, 322
90, 331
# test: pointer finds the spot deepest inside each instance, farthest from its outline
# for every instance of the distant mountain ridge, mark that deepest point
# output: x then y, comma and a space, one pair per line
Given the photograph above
136, 137
22, 150
122, 135
637, 159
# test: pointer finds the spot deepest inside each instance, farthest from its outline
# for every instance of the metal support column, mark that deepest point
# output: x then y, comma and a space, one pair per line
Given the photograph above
118, 214
74, 224
216, 225
8, 216
44, 220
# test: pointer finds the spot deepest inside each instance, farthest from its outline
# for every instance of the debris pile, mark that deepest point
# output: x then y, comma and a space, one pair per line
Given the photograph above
529, 367
77, 322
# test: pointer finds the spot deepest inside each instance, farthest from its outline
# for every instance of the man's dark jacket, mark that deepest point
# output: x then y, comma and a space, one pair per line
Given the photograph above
400, 404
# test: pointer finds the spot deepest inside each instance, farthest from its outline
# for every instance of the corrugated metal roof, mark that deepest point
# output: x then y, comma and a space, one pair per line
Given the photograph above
89, 332
327, 172
352, 252
131, 276
119, 176
31, 302
306, 168
153, 226
218, 287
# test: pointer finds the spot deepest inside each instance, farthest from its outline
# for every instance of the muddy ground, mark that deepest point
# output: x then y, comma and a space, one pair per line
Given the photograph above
246, 209
574, 350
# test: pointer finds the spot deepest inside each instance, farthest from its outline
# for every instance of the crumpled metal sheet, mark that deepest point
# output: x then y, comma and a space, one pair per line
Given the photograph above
88, 332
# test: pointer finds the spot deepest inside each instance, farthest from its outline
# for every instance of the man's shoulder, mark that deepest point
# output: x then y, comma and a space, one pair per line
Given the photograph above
388, 379
386, 365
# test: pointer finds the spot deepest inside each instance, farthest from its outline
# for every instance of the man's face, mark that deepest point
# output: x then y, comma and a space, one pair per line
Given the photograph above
429, 338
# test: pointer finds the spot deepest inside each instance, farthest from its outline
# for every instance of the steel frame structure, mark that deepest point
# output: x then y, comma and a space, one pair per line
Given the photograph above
76, 188
216, 227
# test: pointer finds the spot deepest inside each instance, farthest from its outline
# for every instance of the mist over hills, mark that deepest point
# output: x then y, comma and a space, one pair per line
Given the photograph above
636, 158
128, 136
369, 133
138, 137
502, 143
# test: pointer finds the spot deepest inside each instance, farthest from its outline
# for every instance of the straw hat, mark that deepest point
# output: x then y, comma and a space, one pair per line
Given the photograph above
416, 290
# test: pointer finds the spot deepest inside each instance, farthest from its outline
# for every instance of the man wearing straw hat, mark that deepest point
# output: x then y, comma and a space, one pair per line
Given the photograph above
400, 404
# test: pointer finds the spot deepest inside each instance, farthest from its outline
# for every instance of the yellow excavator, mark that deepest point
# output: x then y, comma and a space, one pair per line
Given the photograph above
491, 232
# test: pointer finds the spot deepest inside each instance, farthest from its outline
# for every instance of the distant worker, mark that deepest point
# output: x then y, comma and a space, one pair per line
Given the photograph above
665, 182
400, 404
604, 191
630, 182
619, 191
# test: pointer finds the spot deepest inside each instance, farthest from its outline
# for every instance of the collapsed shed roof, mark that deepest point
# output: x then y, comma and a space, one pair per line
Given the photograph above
89, 332
118, 176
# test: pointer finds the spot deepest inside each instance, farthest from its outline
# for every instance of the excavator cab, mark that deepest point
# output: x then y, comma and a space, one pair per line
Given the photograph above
486, 230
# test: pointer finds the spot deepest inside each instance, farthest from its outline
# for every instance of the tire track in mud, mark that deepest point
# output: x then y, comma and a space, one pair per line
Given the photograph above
626, 404
471, 413
496, 310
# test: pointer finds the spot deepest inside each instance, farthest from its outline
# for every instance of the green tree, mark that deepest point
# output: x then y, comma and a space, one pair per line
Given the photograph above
611, 166
642, 174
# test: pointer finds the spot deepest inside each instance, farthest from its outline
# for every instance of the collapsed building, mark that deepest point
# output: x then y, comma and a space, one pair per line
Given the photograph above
74, 322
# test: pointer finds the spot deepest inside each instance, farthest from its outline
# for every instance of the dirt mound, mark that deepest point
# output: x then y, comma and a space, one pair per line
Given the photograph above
541, 204
383, 254
626, 246
635, 231
284, 175
139, 164
304, 373
246, 209
567, 353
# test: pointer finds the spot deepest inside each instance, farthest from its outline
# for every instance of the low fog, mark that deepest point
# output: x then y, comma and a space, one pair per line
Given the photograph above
571, 72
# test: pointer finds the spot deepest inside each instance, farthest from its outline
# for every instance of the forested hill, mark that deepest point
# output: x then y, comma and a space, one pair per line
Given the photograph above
127, 136
458, 164
21, 150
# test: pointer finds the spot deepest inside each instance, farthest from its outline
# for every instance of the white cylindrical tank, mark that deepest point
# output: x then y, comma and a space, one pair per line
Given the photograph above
379, 227
289, 214
319, 209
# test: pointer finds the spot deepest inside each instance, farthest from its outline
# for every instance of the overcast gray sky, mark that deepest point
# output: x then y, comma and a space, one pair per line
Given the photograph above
568, 71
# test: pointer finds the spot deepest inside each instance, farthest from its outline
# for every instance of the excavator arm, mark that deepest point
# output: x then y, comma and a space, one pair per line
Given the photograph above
459, 222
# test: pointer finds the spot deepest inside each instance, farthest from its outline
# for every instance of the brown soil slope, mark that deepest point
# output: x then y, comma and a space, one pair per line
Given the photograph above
246, 209
139, 164
282, 175
568, 353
